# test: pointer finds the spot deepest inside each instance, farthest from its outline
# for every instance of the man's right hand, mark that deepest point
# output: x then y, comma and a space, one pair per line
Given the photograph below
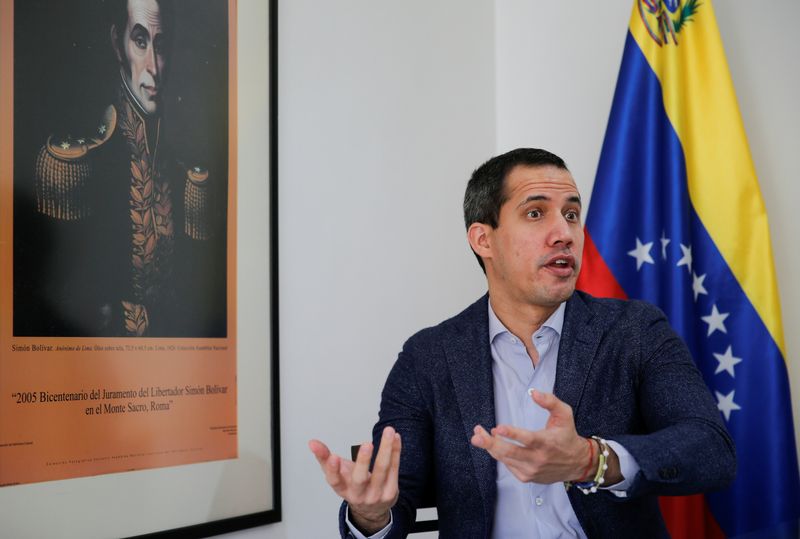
370, 496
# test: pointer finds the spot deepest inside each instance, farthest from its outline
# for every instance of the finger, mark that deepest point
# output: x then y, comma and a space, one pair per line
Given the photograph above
526, 438
495, 445
391, 486
480, 438
328, 462
360, 475
517, 471
516, 458
332, 474
559, 410
320, 451
546, 400
383, 459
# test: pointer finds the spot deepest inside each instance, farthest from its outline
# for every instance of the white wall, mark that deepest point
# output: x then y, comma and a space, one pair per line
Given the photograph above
385, 110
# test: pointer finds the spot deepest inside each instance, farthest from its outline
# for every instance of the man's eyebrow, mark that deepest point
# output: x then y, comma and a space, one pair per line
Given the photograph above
533, 198
575, 199
138, 28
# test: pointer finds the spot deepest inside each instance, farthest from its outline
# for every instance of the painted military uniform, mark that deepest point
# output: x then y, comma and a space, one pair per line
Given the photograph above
130, 230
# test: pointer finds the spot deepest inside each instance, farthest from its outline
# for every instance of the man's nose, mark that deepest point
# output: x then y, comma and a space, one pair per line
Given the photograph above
560, 231
152, 62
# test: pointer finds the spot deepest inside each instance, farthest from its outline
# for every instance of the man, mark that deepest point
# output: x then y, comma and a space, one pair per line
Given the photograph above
538, 411
129, 227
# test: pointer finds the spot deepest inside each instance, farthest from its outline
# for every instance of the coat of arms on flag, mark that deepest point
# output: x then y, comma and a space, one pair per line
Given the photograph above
664, 19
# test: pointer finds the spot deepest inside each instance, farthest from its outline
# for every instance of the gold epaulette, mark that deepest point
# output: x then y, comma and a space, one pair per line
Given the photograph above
196, 204
63, 170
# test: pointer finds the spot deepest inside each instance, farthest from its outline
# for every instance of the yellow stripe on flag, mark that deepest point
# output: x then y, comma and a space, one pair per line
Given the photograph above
701, 104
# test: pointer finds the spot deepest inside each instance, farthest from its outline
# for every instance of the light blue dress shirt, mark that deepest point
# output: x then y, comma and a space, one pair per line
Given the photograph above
526, 510
529, 510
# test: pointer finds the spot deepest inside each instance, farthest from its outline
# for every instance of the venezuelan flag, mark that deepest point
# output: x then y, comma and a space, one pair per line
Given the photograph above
677, 219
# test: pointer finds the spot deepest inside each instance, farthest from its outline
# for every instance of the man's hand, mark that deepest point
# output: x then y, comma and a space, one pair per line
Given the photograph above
551, 455
370, 496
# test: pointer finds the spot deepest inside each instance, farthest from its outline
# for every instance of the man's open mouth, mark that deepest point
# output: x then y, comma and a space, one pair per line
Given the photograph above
561, 264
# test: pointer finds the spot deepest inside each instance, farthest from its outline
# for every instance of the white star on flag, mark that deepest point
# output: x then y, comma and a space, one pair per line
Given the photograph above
664, 242
726, 405
686, 260
697, 285
727, 361
715, 321
641, 254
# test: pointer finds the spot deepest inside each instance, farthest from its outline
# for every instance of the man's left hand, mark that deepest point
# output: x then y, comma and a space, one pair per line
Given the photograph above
555, 453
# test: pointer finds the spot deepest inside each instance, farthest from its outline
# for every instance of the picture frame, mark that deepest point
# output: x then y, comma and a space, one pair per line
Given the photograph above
204, 497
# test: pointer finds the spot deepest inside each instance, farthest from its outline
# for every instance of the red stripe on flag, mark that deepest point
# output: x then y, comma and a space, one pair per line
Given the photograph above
688, 517
595, 278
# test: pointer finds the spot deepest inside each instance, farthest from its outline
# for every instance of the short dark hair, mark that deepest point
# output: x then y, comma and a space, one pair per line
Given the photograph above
486, 192
117, 15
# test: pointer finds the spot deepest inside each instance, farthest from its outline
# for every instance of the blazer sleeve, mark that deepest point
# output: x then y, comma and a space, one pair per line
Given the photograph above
687, 448
404, 407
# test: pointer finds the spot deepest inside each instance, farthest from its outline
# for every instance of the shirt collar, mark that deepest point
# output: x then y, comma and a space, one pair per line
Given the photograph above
554, 322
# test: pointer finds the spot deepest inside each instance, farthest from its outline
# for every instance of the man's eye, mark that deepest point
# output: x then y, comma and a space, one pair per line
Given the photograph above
572, 215
534, 214
140, 42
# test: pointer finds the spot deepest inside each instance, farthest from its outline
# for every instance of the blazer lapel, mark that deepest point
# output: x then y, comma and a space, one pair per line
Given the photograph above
469, 360
579, 341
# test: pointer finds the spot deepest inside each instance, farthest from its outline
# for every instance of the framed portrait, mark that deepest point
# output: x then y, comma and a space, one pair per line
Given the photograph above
138, 282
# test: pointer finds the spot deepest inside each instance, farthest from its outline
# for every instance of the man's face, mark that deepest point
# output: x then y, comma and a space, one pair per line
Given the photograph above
143, 53
535, 251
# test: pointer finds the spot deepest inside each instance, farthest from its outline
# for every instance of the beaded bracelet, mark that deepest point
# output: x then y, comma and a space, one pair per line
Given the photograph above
602, 465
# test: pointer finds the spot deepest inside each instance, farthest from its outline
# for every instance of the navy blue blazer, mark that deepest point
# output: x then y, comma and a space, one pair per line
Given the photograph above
628, 378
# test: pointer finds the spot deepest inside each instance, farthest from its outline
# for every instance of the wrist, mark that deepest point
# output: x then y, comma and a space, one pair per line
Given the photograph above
588, 460
614, 472
369, 524
603, 453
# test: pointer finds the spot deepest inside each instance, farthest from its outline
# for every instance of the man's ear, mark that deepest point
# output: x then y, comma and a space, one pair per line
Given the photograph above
115, 42
479, 236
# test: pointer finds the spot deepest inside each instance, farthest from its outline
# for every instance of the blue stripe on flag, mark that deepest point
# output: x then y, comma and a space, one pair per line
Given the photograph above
641, 195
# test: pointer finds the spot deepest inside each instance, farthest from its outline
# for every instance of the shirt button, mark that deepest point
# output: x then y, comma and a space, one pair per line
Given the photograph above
513, 340
539, 501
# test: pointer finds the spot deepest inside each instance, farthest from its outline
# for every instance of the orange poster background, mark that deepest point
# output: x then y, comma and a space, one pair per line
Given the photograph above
42, 441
